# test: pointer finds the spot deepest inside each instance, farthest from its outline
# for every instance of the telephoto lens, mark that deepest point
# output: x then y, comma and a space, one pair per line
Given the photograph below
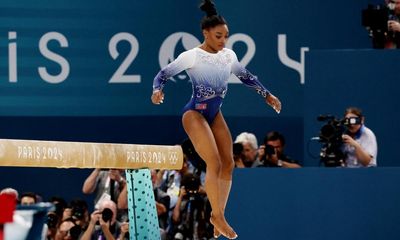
107, 214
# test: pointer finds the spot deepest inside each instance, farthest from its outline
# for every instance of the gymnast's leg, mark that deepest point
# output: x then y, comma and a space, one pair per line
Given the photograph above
203, 140
223, 140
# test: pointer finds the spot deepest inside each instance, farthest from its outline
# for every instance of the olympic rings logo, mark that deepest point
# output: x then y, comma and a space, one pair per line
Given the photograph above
173, 158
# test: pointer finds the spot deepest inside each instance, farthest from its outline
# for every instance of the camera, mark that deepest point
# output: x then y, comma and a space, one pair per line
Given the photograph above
192, 184
375, 19
237, 149
78, 212
330, 136
269, 150
52, 220
106, 214
75, 232
78, 209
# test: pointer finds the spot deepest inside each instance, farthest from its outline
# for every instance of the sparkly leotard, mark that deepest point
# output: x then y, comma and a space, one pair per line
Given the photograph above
209, 73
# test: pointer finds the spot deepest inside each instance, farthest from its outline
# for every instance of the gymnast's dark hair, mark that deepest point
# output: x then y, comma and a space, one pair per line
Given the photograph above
212, 18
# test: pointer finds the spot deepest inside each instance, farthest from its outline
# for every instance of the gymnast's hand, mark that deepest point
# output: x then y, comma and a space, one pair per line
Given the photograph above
274, 102
157, 97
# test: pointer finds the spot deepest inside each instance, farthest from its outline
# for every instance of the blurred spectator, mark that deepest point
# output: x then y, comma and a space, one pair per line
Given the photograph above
394, 24
169, 181
68, 230
79, 212
55, 217
360, 147
271, 153
190, 215
238, 155
162, 202
28, 198
52, 224
60, 204
250, 146
67, 213
383, 25
10, 191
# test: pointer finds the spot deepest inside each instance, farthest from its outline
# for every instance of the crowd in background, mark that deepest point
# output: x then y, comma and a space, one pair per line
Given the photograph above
181, 202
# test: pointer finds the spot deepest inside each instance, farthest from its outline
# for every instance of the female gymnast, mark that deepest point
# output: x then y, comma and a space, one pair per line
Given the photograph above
209, 67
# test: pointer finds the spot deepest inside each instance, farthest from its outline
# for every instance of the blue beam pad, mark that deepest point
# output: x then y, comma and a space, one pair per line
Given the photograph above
143, 220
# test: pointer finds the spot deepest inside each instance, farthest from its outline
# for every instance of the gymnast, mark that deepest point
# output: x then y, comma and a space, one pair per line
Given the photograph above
209, 67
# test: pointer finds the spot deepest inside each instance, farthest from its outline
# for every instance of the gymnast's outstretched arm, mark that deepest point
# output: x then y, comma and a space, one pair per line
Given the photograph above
252, 81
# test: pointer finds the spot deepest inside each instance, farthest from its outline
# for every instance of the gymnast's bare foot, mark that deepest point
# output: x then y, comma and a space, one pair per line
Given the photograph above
217, 234
222, 227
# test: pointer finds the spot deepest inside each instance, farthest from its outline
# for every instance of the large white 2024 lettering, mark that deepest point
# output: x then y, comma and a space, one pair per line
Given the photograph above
166, 55
298, 66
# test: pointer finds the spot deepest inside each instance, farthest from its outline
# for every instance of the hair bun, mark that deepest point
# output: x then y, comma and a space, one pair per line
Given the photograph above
209, 7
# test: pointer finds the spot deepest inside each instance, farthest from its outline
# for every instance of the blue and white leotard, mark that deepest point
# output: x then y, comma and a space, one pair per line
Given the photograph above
209, 73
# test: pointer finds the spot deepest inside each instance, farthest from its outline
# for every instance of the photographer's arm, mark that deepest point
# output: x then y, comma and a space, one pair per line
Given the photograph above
362, 156
290, 165
275, 160
176, 215
94, 217
90, 183
124, 230
281, 163
252, 81
122, 201
161, 209
394, 26
115, 175
105, 227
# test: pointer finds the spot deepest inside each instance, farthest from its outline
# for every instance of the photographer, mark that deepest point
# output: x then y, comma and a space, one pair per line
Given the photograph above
189, 215
360, 147
271, 154
103, 223
250, 146
394, 24
78, 210
383, 24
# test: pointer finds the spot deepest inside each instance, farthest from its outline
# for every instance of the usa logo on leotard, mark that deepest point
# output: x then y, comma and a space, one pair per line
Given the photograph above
201, 106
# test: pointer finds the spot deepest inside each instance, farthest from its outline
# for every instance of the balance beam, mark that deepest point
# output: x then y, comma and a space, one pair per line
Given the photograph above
58, 154
135, 159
